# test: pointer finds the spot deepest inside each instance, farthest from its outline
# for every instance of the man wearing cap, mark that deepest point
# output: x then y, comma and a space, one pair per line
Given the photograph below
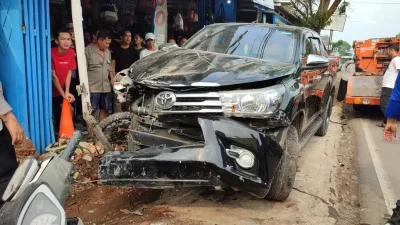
11, 133
150, 39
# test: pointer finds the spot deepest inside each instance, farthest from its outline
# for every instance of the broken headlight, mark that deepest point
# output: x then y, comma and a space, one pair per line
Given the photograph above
255, 103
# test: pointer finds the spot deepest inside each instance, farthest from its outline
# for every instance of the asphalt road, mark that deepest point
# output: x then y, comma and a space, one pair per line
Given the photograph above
378, 165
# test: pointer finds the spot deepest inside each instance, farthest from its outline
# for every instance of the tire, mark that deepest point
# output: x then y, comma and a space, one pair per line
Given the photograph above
114, 118
111, 125
283, 180
325, 119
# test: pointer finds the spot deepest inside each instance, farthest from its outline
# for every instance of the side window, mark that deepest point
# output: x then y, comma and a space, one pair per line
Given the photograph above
316, 46
308, 47
323, 49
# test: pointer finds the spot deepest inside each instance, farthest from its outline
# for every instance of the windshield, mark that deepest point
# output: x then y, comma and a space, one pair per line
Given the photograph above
269, 43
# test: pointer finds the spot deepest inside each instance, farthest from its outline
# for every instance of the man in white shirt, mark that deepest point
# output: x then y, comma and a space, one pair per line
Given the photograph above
389, 79
150, 39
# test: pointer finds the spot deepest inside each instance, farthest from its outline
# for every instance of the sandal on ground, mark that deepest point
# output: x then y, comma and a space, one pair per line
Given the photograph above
381, 125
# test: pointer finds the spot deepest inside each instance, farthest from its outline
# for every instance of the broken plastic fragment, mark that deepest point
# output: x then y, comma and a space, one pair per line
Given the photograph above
87, 158
76, 174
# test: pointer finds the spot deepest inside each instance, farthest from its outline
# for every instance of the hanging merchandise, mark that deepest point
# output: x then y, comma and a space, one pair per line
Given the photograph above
221, 17
147, 5
130, 6
95, 11
210, 19
178, 24
109, 12
192, 15
86, 4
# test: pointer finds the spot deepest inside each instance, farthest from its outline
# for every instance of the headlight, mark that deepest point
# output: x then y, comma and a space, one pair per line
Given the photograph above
42, 211
252, 103
44, 219
243, 157
42, 208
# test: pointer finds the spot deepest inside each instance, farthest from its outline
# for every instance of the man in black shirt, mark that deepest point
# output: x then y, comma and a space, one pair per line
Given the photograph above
124, 55
357, 62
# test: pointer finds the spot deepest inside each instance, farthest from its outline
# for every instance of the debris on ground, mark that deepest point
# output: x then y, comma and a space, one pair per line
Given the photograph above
25, 149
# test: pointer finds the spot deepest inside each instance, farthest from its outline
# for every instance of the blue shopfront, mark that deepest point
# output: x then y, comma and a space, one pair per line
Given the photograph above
268, 12
24, 63
263, 11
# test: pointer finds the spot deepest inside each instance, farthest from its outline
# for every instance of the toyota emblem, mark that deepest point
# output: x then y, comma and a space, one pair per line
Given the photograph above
165, 100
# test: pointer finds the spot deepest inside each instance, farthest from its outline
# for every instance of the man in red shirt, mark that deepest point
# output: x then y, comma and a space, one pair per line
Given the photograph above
62, 62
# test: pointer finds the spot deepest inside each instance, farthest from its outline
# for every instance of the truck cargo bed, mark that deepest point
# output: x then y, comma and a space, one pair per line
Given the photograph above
364, 86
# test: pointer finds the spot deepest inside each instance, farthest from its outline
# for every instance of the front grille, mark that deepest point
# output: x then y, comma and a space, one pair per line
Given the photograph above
194, 103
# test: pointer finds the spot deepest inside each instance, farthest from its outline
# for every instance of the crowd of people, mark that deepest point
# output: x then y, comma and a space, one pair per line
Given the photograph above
104, 60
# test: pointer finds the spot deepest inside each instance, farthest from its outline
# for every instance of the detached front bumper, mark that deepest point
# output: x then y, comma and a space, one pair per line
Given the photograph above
199, 165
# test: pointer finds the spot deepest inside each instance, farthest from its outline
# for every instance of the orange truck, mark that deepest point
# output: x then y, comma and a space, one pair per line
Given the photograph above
364, 88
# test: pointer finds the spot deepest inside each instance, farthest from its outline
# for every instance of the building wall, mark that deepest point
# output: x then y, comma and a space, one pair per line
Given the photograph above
36, 16
12, 73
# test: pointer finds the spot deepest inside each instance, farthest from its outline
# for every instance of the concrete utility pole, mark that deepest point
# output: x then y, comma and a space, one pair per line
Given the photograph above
83, 88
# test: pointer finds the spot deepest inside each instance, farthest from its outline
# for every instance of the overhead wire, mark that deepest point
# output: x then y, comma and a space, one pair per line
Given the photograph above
363, 21
382, 3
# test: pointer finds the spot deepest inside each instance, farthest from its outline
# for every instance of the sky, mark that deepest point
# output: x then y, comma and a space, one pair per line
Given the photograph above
370, 19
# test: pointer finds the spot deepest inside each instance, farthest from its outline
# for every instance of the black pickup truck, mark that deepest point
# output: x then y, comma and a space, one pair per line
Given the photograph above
231, 108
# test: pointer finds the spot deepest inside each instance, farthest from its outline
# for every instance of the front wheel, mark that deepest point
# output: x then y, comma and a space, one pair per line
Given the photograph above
326, 116
285, 175
116, 128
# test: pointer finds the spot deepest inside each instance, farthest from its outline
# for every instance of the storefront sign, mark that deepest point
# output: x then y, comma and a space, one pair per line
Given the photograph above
337, 24
265, 3
160, 22
278, 20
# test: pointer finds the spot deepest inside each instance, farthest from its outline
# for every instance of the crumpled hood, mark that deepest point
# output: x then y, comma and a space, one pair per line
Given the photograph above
187, 67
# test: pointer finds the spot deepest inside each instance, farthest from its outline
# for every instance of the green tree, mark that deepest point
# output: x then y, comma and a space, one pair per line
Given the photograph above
316, 14
341, 46
398, 35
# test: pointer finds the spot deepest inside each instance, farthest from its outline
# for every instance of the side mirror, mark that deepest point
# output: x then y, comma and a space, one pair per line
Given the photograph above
167, 46
315, 60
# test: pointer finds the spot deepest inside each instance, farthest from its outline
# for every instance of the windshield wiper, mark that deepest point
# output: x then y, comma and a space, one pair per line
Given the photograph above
207, 37
235, 42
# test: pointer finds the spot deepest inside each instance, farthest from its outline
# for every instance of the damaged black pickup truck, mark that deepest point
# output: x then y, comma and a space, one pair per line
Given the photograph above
231, 108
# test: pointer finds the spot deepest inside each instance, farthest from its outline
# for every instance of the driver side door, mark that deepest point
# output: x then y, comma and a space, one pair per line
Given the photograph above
313, 78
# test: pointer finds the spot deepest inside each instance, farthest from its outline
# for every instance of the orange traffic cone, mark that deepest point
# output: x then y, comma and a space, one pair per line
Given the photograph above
66, 124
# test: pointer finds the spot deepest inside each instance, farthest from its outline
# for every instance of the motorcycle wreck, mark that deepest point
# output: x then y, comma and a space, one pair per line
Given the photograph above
202, 118
38, 189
